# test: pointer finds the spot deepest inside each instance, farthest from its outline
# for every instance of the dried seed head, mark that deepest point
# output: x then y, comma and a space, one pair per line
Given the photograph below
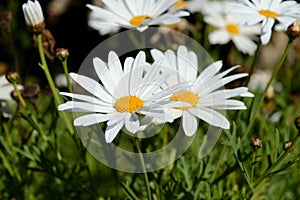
48, 42
255, 143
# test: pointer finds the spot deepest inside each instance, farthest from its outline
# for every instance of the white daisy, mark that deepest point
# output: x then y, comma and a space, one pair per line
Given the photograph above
6, 88
204, 94
132, 14
124, 95
228, 30
33, 14
268, 12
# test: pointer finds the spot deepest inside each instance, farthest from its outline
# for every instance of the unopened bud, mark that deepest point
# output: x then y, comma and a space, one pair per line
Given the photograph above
294, 30
287, 145
34, 16
255, 143
12, 77
62, 53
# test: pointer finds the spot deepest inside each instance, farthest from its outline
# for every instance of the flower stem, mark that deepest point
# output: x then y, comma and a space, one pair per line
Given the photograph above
251, 70
144, 168
254, 113
64, 63
19, 94
278, 162
44, 66
253, 166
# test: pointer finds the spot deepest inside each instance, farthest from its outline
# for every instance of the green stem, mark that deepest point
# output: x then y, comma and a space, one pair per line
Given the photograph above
144, 168
19, 94
266, 89
7, 135
251, 70
64, 63
44, 66
139, 44
36, 125
253, 166
278, 162
220, 156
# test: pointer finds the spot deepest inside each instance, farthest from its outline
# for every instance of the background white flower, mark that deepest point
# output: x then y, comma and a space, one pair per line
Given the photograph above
228, 30
269, 13
132, 14
204, 94
6, 88
191, 5
124, 95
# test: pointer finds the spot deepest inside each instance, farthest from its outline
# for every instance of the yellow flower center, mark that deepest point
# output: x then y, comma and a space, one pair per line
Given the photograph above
128, 104
185, 96
180, 4
137, 20
268, 13
233, 29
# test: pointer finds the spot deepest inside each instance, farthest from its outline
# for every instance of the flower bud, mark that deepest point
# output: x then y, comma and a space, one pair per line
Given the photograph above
255, 143
12, 77
62, 53
294, 30
287, 145
34, 16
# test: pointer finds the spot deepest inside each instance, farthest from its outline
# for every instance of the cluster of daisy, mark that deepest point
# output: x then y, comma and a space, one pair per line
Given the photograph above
137, 94
241, 22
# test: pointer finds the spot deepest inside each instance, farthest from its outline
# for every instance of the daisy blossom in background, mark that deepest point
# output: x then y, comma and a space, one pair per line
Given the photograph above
189, 5
124, 95
211, 7
132, 14
204, 94
6, 88
270, 12
228, 30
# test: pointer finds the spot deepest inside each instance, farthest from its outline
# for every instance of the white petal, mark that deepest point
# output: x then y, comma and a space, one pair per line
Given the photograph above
132, 123
189, 123
90, 119
91, 86
219, 37
211, 116
73, 106
112, 131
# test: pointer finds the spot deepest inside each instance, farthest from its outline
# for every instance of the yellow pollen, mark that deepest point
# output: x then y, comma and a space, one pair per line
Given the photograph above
268, 13
128, 104
180, 3
185, 96
137, 20
233, 29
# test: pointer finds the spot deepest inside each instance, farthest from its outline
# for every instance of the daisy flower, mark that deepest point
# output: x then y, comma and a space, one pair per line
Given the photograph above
6, 88
204, 95
228, 30
132, 14
125, 95
269, 12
